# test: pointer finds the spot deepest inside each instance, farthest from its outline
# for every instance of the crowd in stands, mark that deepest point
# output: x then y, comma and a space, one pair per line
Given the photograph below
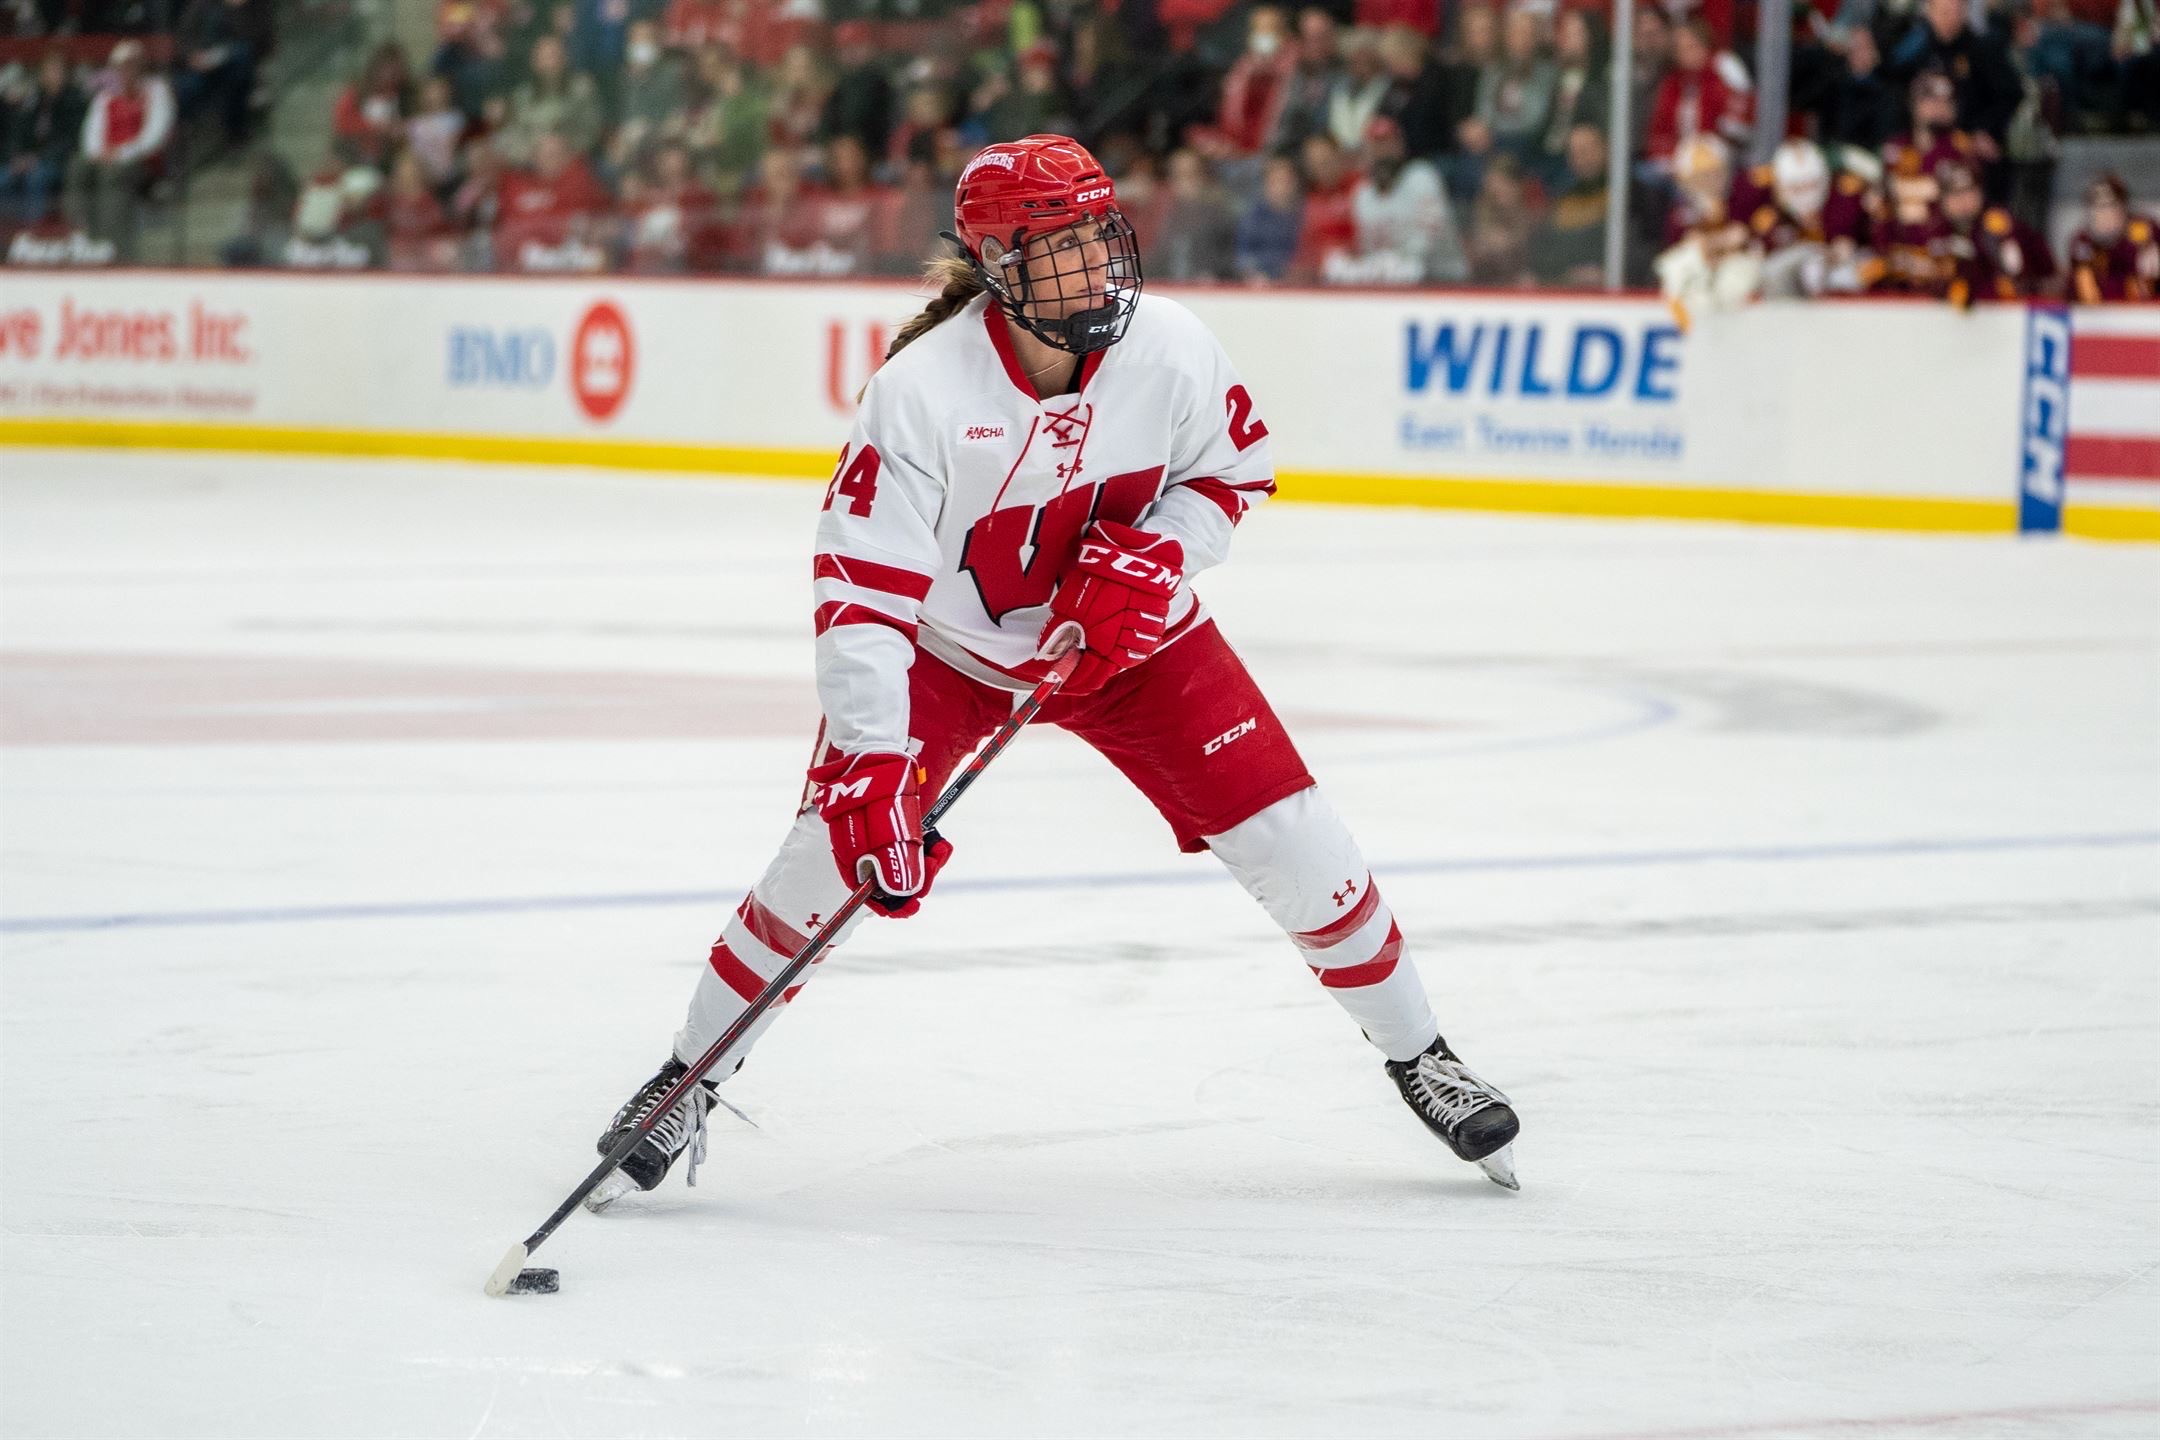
92, 128
1388, 142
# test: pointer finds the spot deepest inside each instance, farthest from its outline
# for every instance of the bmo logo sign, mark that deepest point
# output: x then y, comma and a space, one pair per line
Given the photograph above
603, 361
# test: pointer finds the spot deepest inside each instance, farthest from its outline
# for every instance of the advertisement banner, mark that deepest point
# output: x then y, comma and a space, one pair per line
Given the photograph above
1897, 414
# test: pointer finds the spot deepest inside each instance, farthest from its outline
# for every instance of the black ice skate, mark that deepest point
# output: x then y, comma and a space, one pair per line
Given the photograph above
1474, 1118
683, 1129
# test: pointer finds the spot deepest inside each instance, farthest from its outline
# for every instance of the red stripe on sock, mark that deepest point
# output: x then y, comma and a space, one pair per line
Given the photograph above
771, 931
739, 977
1372, 972
1343, 926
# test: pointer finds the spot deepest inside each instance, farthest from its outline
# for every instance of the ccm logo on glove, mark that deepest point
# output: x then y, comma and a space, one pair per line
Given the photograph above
1114, 602
872, 807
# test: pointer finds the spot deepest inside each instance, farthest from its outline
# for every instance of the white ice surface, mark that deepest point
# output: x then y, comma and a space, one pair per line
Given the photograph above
1802, 888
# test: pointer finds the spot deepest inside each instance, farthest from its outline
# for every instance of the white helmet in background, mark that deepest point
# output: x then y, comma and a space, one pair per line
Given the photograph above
1702, 166
1800, 178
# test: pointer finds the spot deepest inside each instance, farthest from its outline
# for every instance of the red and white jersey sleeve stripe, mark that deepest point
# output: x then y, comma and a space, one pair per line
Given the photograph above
877, 551
1221, 463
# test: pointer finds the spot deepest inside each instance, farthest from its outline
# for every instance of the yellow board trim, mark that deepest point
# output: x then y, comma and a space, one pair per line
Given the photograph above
1661, 502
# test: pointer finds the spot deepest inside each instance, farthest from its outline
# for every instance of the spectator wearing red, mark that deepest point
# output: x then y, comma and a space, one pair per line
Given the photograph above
416, 228
849, 210
1705, 92
1422, 16
694, 24
1934, 137
1254, 89
2116, 255
123, 140
1330, 225
779, 229
544, 210
368, 118
1992, 254
674, 217
1303, 108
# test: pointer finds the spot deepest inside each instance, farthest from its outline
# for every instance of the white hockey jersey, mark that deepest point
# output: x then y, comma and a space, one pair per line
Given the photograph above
962, 496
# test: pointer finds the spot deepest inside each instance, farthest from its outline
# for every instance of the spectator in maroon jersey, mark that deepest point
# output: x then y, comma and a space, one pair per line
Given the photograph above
368, 119
1934, 137
546, 207
417, 229
1256, 86
1909, 242
1991, 254
124, 135
2116, 255
1330, 224
1705, 92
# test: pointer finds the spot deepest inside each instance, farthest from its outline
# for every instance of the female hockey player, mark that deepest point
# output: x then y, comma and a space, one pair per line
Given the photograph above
1048, 457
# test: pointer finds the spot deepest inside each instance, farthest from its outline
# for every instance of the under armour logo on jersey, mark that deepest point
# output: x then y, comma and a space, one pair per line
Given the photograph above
1242, 728
1345, 895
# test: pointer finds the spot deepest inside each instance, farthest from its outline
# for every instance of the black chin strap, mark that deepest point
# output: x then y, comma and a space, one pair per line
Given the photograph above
1081, 333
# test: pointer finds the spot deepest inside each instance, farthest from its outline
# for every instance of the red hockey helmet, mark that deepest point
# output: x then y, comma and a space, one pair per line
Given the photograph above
1024, 190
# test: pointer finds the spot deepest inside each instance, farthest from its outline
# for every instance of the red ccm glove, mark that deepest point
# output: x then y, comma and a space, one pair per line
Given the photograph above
1115, 601
873, 807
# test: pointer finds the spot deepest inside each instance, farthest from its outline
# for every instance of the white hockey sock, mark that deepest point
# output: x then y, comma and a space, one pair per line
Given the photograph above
769, 929
1298, 859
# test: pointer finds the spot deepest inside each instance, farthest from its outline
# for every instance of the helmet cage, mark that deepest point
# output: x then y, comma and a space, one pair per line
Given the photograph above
1003, 271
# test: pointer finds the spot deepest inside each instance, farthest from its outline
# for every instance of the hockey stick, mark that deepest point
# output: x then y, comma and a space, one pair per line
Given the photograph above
507, 1275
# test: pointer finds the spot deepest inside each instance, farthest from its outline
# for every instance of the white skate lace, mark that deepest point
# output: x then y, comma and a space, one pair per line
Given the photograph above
1449, 1091
685, 1124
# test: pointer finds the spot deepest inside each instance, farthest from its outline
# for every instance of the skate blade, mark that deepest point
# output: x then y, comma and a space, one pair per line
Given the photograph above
609, 1191
1499, 1167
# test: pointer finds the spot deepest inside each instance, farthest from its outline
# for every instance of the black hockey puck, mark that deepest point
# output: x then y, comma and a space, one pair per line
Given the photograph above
536, 1282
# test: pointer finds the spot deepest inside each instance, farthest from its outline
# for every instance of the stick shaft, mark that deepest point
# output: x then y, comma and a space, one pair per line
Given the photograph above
822, 940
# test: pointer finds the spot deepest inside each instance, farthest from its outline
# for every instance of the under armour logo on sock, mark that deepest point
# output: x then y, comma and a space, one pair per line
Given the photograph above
1345, 895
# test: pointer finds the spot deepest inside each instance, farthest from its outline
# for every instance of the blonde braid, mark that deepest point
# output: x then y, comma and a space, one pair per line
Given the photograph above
957, 284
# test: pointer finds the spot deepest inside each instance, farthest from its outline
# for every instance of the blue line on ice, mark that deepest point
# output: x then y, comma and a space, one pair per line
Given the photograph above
1207, 875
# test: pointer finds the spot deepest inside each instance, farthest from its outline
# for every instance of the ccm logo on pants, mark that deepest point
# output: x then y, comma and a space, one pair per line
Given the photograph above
1243, 727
